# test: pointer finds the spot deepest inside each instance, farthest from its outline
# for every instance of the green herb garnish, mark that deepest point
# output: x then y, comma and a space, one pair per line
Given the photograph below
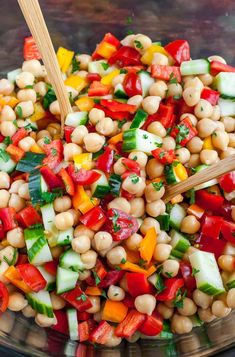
157, 185
97, 279
138, 44
105, 66
182, 134
159, 285
134, 179
4, 155
195, 271
81, 297
19, 112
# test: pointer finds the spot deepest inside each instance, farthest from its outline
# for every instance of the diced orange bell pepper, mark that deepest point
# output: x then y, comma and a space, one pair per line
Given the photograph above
68, 182
105, 49
114, 311
151, 270
132, 256
196, 211
11, 101
14, 277
36, 148
134, 268
82, 202
177, 199
15, 152
93, 291
85, 104
148, 245
116, 139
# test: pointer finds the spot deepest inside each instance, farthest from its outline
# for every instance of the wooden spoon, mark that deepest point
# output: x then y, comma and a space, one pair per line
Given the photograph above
214, 171
36, 23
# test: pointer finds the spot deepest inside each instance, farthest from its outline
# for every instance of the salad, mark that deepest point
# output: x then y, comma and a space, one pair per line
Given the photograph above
88, 245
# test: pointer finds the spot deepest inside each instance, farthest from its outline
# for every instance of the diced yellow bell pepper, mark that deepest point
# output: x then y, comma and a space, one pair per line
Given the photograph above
207, 144
83, 161
177, 199
39, 112
181, 172
76, 82
105, 49
86, 206
36, 148
85, 104
148, 55
11, 101
64, 57
82, 202
107, 80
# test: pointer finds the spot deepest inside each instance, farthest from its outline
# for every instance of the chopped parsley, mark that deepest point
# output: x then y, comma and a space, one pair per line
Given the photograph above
179, 300
29, 87
182, 134
130, 32
123, 71
195, 271
145, 136
4, 155
35, 226
97, 279
15, 123
117, 268
7, 140
49, 98
173, 80
159, 285
121, 123
158, 145
168, 274
116, 227
81, 297
19, 112
142, 262
175, 163
134, 179
49, 197
54, 152
176, 97
134, 158
75, 65
192, 196
104, 295
123, 261
29, 126
105, 66
138, 44
129, 20
46, 140
157, 185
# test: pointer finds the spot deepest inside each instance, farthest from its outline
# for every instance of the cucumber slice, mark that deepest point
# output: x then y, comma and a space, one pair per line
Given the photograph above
115, 183
6, 163
146, 82
177, 215
48, 217
73, 324
37, 186
141, 140
41, 302
198, 66
71, 260
50, 279
65, 280
32, 235
179, 242
100, 187
29, 162
170, 175
225, 84
39, 253
227, 107
11, 76
101, 67
119, 91
164, 221
230, 283
208, 277
139, 119
77, 118
65, 237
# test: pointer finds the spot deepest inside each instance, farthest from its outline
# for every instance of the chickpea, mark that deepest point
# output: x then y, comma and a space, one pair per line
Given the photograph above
195, 83
17, 302
231, 140
133, 184
165, 311
120, 203
140, 157
45, 321
227, 153
208, 157
6, 87
102, 240
168, 143
96, 115
134, 338
190, 225
201, 299
220, 126
118, 79
191, 96
151, 104
206, 127
76, 215
55, 108
37, 338
142, 42
4, 198
154, 168
57, 302
25, 95
135, 100
190, 116
158, 89
128, 40
16, 185
229, 124
155, 208
83, 275
70, 150
113, 341
81, 244
93, 142
8, 128
189, 307
16, 202
116, 255
41, 88
145, 303
149, 223
63, 221
206, 79
226, 262
83, 230
170, 268
217, 58
78, 134
32, 66
95, 300
26, 143
83, 60
8, 252
89, 259
163, 238
162, 252
183, 155
26, 108
115, 293
28, 311
194, 160
56, 252
203, 109
157, 128
153, 191
105, 126
174, 89
15, 238
181, 324
62, 204
216, 113
220, 309
25, 79
220, 140
4, 180
7, 114
133, 242
195, 145
231, 298
137, 207
160, 58
53, 128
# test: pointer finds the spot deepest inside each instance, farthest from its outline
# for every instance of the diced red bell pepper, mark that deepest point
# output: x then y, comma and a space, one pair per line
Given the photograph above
129, 301
100, 269
15, 152
131, 165
120, 224
68, 182
165, 157
132, 84
67, 133
54, 151
227, 182
152, 325
209, 201
4, 297
129, 196
30, 49
2, 138
91, 77
51, 267
98, 89
2, 233
62, 322
132, 322
22, 259
217, 67
8, 218
179, 50
101, 333
165, 115
94, 219
189, 280
114, 115
28, 216
210, 95
182, 107
165, 72
83, 316
19, 135
126, 56
137, 284
105, 160
73, 296
108, 38
211, 245
85, 328
172, 285
115, 106
226, 210
134, 69
228, 231
184, 132
111, 278
51, 179
31, 276
82, 176
211, 226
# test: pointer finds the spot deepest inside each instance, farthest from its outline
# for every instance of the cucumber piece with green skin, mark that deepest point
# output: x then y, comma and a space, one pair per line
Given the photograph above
176, 255
230, 283
73, 324
48, 217
115, 183
198, 66
101, 67
164, 221
65, 237
11, 76
146, 82
179, 242
32, 235
177, 215
77, 118
37, 186
50, 279
29, 162
208, 278
227, 107
100, 187
41, 302
225, 84
39, 253
65, 280
170, 174
141, 140
6, 163
119, 91
139, 119
71, 260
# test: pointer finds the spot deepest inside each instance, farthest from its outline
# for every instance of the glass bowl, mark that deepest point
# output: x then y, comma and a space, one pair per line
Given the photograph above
209, 26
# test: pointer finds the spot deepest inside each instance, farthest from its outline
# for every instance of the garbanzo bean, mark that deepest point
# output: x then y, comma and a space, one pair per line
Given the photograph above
93, 142
206, 127
229, 124
45, 321
16, 202
201, 299
151, 104
231, 298
120, 203
162, 237
155, 208
140, 157
170, 268
135, 100
227, 262
103, 240
165, 311
25, 95
15, 238
162, 252
81, 230
83, 60
191, 117
181, 324
78, 134
57, 302
195, 145
81, 244
157, 128
216, 113
203, 109
154, 191
32, 66
70, 150
133, 242
95, 300
41, 88
4, 180
183, 155
8, 114
62, 204
160, 58
4, 198
149, 222
220, 309
134, 184
208, 157
227, 153
190, 225
206, 79
189, 307
154, 168
8, 128
25, 79
194, 83
17, 302
89, 259
174, 89
115, 293
191, 96
63, 221
116, 255
194, 160
6, 87
159, 88
145, 303
137, 207
142, 42
105, 126
168, 143
220, 140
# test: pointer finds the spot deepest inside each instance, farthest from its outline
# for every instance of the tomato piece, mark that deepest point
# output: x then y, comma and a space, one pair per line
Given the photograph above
115, 106
28, 216
137, 284
126, 56
228, 231
152, 325
92, 77
132, 84
20, 134
209, 201
102, 333
105, 160
30, 49
163, 156
8, 218
131, 165
189, 280
217, 67
172, 285
165, 72
211, 226
72, 297
82, 176
68, 130
227, 182
94, 219
210, 95
132, 322
98, 89
120, 224
31, 276
54, 151
51, 179
113, 115
62, 322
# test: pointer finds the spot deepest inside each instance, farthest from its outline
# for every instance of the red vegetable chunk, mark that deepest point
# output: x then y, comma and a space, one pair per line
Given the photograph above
179, 50
120, 224
130, 324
